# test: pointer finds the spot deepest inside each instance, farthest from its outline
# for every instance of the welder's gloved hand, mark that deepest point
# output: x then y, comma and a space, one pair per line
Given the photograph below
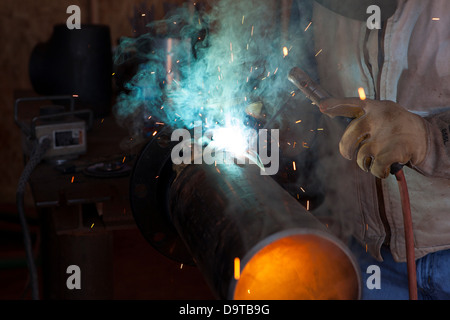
381, 134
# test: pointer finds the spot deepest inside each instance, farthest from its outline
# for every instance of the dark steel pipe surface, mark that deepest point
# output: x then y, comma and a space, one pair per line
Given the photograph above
228, 211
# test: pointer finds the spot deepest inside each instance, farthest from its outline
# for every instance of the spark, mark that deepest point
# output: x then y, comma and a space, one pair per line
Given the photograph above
243, 17
251, 34
305, 145
154, 133
318, 52
237, 268
275, 71
294, 166
298, 121
362, 93
103, 119
307, 205
308, 26
92, 225
319, 129
436, 19
143, 15
181, 266
123, 160
301, 188
73, 178
75, 95
285, 51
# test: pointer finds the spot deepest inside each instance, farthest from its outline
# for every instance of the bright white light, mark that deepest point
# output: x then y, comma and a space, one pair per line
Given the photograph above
232, 139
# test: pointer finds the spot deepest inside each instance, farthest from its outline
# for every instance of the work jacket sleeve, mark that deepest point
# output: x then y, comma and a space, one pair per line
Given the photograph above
437, 160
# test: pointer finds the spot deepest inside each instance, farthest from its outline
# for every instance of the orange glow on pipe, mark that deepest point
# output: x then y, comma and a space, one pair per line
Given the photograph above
298, 267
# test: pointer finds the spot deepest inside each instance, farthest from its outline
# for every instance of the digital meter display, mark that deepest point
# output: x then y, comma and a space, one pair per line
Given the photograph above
68, 138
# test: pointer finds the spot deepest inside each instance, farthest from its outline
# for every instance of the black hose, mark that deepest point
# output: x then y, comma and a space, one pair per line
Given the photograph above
35, 159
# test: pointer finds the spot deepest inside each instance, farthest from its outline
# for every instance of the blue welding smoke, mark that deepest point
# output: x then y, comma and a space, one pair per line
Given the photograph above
210, 66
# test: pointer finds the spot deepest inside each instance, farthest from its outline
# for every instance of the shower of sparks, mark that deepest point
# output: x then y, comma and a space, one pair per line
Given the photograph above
308, 26
237, 268
362, 93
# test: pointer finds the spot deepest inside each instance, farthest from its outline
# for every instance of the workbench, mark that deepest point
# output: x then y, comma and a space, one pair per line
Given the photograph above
78, 211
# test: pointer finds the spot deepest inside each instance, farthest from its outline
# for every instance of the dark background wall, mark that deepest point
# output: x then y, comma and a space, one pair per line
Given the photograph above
25, 23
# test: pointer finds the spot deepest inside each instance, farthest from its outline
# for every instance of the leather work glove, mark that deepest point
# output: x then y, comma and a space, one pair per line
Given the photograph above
381, 134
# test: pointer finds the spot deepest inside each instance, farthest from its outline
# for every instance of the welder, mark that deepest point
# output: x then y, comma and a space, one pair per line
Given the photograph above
403, 67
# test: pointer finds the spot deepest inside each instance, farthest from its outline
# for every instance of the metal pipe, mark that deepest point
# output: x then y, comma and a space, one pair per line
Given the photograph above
231, 211
228, 211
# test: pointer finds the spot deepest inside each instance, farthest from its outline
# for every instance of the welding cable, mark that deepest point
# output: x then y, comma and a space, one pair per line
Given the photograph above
397, 171
35, 158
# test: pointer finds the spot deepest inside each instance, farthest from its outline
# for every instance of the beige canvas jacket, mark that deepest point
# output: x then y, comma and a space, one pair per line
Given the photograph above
415, 72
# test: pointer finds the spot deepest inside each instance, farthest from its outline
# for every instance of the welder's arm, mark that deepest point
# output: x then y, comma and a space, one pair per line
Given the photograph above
383, 133
437, 159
